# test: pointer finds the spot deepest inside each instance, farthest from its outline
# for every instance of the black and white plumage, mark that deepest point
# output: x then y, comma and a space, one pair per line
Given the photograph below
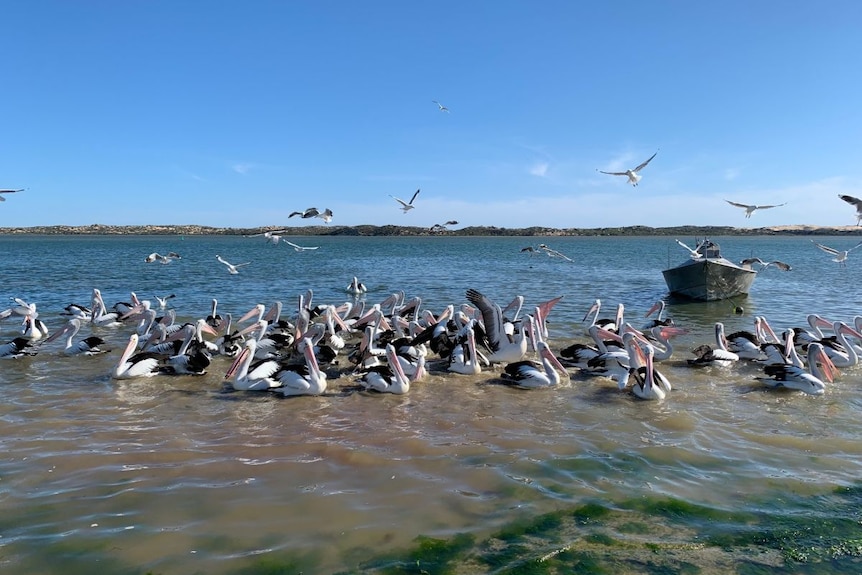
631, 174
406, 206
840, 255
388, 378
855, 202
17, 348
439, 228
499, 339
810, 381
751, 208
3, 199
308, 213
162, 259
91, 345
528, 374
748, 262
131, 364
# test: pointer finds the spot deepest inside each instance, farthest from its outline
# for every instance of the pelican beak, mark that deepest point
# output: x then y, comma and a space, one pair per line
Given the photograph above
239, 358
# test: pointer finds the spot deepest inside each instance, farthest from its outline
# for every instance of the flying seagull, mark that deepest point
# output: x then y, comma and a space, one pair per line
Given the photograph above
695, 255
749, 208
850, 200
2, 199
554, 253
441, 106
309, 213
632, 174
840, 255
748, 262
231, 268
406, 206
442, 227
166, 259
299, 248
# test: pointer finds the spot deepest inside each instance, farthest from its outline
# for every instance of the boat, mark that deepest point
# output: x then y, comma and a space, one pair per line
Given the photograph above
708, 276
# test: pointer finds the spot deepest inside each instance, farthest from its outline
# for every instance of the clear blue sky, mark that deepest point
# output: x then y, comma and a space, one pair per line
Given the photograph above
238, 113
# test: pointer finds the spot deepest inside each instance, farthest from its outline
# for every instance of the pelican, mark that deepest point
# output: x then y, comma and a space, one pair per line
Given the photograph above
465, 359
528, 374
131, 364
441, 107
792, 377
33, 328
87, 346
659, 318
504, 348
231, 268
406, 206
300, 248
853, 201
387, 378
259, 377
840, 256
305, 379
3, 199
750, 208
356, 287
17, 348
163, 301
646, 385
632, 174
214, 319
840, 350
166, 259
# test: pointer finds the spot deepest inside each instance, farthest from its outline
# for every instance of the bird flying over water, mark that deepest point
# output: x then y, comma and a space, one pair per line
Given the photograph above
840, 255
853, 201
750, 208
632, 174
441, 106
166, 259
406, 206
2, 199
231, 268
299, 248
309, 213
748, 262
271, 237
442, 227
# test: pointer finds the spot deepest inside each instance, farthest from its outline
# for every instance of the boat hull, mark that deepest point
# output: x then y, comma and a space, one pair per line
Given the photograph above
708, 279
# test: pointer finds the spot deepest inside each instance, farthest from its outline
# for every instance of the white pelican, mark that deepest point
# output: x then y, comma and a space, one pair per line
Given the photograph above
166, 259
659, 319
356, 287
840, 350
406, 206
441, 107
300, 248
259, 377
131, 364
464, 359
387, 378
305, 379
214, 319
632, 174
718, 355
503, 347
17, 348
87, 346
792, 377
34, 328
840, 255
528, 374
611, 325
853, 201
646, 385
744, 344
750, 208
75, 310
231, 268
3, 199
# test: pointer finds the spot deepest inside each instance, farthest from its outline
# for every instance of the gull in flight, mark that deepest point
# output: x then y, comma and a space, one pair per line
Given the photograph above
442, 227
2, 199
632, 174
300, 248
749, 208
748, 262
554, 253
163, 301
231, 268
406, 206
840, 256
325, 215
270, 237
441, 106
853, 201
695, 255
157, 257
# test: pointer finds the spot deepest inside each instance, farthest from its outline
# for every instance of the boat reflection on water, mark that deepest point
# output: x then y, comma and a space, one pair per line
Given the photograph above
707, 276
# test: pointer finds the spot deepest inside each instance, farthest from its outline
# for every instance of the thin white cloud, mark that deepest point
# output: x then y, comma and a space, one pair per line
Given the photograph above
242, 167
540, 169
731, 174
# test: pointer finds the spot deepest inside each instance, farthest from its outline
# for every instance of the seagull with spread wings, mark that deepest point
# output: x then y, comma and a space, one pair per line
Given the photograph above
748, 262
2, 199
299, 248
853, 201
750, 208
840, 255
632, 174
406, 206
231, 268
441, 106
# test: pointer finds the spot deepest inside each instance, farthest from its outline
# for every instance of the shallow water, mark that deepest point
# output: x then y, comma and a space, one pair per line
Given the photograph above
181, 475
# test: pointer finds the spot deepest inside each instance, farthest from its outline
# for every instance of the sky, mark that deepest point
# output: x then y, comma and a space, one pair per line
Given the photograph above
235, 114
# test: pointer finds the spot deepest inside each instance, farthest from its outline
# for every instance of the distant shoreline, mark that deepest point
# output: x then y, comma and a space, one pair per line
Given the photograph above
407, 231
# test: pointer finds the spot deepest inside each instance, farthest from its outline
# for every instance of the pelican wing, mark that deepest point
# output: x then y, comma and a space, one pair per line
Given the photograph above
492, 317
643, 165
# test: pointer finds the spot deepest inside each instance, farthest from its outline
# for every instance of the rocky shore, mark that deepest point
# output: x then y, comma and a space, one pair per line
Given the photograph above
367, 230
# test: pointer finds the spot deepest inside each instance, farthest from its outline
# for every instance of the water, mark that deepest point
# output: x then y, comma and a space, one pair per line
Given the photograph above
179, 475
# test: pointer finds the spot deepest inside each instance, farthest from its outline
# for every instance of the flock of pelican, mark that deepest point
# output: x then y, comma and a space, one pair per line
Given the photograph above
390, 345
